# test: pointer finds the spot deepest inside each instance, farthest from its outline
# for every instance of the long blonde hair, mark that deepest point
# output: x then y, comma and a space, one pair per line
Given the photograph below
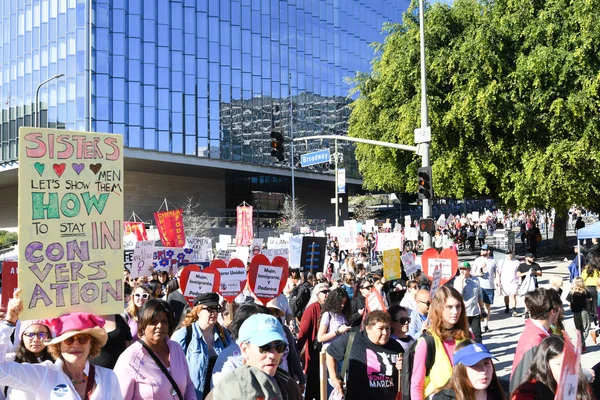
132, 309
578, 285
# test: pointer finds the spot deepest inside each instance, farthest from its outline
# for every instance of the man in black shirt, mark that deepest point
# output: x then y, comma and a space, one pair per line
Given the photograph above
529, 265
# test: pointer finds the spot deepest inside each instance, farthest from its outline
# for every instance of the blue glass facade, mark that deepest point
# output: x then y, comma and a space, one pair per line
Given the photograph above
204, 78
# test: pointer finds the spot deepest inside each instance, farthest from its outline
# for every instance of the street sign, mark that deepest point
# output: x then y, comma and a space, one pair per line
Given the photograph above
316, 157
423, 135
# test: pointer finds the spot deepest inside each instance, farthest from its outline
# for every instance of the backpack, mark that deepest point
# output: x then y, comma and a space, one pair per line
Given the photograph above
299, 298
408, 359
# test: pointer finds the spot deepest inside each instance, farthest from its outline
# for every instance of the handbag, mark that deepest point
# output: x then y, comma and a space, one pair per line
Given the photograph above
335, 394
163, 369
527, 285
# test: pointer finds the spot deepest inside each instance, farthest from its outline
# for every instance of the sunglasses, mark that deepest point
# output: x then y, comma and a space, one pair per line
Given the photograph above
81, 339
212, 309
403, 320
324, 291
142, 295
39, 335
277, 347
428, 303
367, 287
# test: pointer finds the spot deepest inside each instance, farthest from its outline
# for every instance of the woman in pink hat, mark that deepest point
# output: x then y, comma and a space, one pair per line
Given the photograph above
78, 337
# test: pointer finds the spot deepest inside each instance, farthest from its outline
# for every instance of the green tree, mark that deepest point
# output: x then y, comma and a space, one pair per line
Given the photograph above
513, 95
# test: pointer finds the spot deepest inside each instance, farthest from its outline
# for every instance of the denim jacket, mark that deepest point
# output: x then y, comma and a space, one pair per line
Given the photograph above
197, 354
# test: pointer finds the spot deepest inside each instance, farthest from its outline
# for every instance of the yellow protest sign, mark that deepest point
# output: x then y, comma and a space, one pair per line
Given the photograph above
391, 264
70, 222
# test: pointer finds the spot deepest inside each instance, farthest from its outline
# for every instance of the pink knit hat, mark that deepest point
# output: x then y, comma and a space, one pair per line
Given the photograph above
72, 324
24, 325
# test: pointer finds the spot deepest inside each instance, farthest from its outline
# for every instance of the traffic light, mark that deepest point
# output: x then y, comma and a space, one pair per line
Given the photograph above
277, 144
425, 188
426, 225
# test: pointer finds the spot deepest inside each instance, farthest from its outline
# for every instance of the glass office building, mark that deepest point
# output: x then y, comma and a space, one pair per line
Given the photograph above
200, 78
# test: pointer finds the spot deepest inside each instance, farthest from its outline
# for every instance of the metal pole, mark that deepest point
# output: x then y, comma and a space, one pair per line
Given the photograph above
337, 201
424, 121
36, 123
292, 147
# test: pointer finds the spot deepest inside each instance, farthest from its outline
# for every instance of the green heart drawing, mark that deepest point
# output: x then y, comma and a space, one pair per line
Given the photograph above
39, 167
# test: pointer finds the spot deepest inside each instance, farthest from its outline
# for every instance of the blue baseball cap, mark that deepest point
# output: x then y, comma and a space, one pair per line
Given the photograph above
472, 354
261, 329
485, 247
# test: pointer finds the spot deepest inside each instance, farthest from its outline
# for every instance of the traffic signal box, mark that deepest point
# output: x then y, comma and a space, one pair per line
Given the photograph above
426, 225
277, 144
425, 187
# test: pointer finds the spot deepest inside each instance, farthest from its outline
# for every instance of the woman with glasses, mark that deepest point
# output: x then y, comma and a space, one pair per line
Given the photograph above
141, 294
148, 367
357, 306
202, 339
400, 323
262, 342
307, 336
78, 337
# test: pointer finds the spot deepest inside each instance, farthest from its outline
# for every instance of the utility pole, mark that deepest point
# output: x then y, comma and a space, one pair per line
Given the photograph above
292, 147
337, 199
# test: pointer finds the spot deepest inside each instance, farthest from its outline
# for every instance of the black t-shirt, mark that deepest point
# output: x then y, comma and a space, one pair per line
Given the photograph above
524, 267
115, 345
178, 304
579, 301
372, 369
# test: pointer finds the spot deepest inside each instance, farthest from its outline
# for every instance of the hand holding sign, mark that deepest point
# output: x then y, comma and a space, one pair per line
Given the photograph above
194, 281
14, 307
267, 279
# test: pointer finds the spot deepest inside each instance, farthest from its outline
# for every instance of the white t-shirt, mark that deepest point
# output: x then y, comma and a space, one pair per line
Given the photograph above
485, 270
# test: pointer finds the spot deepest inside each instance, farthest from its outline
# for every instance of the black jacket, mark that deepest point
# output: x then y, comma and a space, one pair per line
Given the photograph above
446, 394
358, 302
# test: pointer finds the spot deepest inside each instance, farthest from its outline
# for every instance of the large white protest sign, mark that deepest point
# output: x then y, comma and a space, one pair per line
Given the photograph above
142, 259
129, 241
272, 253
202, 247
411, 234
231, 281
388, 241
445, 266
277, 243
295, 250
267, 281
347, 238
242, 252
198, 283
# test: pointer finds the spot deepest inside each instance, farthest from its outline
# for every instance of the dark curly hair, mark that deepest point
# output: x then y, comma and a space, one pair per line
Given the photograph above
333, 303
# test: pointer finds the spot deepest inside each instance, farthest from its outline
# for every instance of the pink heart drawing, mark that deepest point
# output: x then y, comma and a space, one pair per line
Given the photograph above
78, 167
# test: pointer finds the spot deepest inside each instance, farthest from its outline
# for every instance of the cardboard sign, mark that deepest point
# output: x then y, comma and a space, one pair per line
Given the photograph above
194, 281
277, 243
272, 253
142, 259
70, 222
409, 264
170, 227
437, 281
233, 277
295, 251
313, 254
389, 241
391, 264
202, 247
447, 260
374, 301
566, 388
346, 238
267, 279
167, 258
10, 278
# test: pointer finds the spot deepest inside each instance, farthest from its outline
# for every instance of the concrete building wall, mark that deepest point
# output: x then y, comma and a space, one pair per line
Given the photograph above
8, 208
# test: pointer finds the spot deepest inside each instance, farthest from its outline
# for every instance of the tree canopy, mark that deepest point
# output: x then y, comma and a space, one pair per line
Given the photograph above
513, 95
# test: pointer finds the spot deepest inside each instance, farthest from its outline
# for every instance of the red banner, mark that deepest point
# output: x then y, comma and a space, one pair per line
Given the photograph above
9, 280
245, 230
137, 228
170, 227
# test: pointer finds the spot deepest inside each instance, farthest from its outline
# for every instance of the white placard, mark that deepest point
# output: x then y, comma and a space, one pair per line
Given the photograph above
445, 266
225, 239
411, 234
408, 262
332, 230
242, 252
277, 243
202, 247
295, 251
388, 241
437, 278
129, 241
267, 281
141, 260
272, 253
198, 283
257, 242
347, 238
407, 221
369, 225
231, 281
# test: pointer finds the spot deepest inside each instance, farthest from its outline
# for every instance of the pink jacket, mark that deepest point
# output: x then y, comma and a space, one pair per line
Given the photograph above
141, 379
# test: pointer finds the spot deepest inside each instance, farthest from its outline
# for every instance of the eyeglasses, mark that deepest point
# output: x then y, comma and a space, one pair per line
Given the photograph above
81, 339
403, 320
212, 309
427, 303
278, 347
142, 295
39, 335
367, 287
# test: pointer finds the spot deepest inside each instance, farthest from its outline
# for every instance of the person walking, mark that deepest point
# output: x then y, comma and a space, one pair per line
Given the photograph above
580, 299
486, 271
418, 316
509, 282
469, 288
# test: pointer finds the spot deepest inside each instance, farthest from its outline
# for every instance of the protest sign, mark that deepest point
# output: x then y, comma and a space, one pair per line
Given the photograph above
194, 281
411, 234
138, 229
129, 241
127, 259
225, 254
567, 386
369, 225
233, 277
267, 279
295, 251
331, 231
409, 264
277, 243
391, 264
242, 253
70, 222
256, 246
201, 247
447, 261
272, 253
388, 241
170, 227
167, 258
374, 301
437, 281
346, 238
407, 221
313, 254
142, 259
10, 279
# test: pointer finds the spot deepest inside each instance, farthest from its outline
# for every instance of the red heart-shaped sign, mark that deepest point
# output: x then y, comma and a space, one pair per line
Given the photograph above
447, 260
194, 280
267, 279
233, 277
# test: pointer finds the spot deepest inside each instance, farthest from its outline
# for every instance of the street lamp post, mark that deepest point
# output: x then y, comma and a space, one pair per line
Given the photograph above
37, 98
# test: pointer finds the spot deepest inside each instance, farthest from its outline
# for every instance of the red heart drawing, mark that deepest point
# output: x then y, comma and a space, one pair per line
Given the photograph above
195, 280
267, 279
448, 260
59, 169
233, 277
